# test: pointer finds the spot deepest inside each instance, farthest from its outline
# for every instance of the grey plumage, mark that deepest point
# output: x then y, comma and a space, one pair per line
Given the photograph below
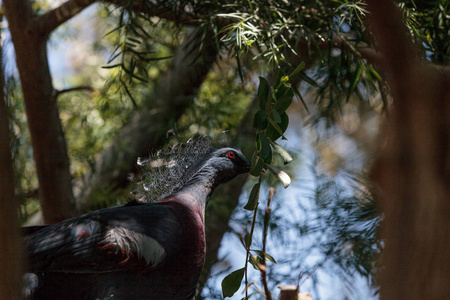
166, 172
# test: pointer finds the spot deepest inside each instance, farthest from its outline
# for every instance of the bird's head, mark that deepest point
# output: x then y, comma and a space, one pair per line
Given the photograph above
228, 163
169, 171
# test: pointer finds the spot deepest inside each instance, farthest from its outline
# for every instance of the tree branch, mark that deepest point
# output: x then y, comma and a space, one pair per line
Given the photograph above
49, 21
77, 88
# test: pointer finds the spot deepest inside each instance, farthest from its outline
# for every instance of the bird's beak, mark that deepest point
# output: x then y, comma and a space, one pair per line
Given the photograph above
247, 166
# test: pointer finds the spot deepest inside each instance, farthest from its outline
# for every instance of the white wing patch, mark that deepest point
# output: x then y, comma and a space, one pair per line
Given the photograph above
140, 244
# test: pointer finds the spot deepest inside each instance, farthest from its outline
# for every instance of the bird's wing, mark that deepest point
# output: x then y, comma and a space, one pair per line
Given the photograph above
123, 237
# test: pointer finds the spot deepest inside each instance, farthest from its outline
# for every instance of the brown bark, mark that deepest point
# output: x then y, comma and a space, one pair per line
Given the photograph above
49, 147
413, 168
10, 246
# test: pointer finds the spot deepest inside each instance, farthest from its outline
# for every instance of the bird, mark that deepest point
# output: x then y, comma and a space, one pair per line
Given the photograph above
152, 247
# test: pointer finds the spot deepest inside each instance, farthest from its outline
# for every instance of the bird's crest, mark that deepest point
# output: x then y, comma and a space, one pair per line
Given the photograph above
167, 171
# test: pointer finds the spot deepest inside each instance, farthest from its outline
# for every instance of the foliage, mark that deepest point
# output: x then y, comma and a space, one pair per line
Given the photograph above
347, 227
139, 42
271, 121
222, 97
428, 22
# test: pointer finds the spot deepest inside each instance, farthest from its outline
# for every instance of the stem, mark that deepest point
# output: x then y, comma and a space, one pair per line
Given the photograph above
250, 241
266, 225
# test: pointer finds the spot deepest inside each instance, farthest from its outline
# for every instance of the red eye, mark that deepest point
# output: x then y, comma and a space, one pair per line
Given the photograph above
231, 154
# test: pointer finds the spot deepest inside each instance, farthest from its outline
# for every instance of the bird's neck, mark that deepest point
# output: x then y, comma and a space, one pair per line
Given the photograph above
201, 186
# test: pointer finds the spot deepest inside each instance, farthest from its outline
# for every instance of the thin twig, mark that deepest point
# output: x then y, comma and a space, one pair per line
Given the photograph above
250, 243
77, 88
263, 268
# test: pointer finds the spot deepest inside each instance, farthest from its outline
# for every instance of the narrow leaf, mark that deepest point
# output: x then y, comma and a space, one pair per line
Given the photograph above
253, 199
232, 282
299, 96
263, 92
297, 70
354, 82
375, 73
308, 79
282, 176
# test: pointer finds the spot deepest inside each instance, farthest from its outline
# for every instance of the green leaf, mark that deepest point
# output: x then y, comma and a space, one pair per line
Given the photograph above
247, 240
375, 73
232, 282
266, 151
297, 70
263, 92
287, 158
299, 96
308, 79
253, 199
284, 101
282, 176
266, 256
280, 75
274, 131
255, 261
276, 127
257, 165
354, 82
260, 120
282, 89
276, 116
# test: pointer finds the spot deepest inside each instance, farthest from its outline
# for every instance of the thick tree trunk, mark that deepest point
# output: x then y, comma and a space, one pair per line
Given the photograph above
49, 147
10, 258
413, 168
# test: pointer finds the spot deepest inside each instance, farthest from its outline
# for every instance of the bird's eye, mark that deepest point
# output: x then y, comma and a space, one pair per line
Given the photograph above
231, 154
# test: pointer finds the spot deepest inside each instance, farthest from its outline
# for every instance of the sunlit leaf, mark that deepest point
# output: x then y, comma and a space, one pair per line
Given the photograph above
266, 256
255, 261
282, 176
287, 158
